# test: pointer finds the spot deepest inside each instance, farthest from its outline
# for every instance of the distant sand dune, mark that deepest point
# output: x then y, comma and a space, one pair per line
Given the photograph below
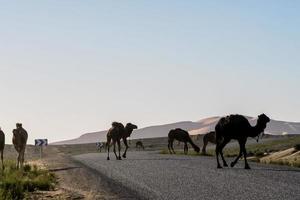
199, 127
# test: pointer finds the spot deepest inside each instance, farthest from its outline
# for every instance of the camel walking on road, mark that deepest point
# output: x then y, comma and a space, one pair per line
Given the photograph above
237, 127
115, 134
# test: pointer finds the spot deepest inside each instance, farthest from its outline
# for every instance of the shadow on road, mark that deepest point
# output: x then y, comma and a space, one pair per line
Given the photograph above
162, 159
63, 169
277, 170
267, 169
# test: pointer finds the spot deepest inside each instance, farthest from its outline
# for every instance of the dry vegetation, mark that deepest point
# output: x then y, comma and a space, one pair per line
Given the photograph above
17, 184
289, 157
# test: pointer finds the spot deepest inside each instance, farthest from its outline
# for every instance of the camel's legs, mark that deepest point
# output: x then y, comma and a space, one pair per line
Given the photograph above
119, 149
126, 147
205, 142
221, 151
172, 146
217, 154
2, 160
245, 156
107, 146
22, 158
169, 146
239, 156
185, 148
18, 160
114, 143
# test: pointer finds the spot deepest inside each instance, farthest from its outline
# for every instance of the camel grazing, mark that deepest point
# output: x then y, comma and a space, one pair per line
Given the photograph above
182, 136
116, 133
139, 144
237, 127
2, 144
208, 137
19, 140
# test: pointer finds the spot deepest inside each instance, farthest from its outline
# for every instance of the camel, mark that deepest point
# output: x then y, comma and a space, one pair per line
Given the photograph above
208, 137
100, 145
2, 144
237, 127
19, 140
182, 136
116, 133
139, 144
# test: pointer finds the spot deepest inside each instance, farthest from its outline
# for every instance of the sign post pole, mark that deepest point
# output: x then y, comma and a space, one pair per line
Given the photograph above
41, 152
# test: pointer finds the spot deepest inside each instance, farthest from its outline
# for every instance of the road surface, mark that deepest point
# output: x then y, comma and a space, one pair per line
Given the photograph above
149, 175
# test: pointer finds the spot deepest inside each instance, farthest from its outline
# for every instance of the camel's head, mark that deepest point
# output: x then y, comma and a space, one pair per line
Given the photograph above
263, 118
262, 123
130, 127
19, 125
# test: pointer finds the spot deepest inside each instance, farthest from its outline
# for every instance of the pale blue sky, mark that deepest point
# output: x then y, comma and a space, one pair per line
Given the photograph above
70, 67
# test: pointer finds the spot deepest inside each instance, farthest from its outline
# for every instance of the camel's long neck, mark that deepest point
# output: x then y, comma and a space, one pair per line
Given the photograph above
258, 128
192, 143
128, 131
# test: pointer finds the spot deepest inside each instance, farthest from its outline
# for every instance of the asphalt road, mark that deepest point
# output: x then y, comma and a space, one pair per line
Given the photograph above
150, 175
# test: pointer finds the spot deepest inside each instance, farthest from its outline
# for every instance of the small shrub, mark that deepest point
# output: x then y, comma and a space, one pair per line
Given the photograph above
15, 183
27, 168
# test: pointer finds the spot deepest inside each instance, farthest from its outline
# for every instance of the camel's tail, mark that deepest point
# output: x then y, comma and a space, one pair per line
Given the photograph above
196, 148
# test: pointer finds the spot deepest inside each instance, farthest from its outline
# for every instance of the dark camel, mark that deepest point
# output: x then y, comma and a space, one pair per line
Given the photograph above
182, 136
116, 133
139, 144
208, 137
237, 127
19, 140
2, 144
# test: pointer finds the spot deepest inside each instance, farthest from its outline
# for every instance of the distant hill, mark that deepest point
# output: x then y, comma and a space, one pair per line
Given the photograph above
199, 127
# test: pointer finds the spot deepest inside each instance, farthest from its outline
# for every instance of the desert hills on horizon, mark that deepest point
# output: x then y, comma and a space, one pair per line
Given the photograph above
203, 126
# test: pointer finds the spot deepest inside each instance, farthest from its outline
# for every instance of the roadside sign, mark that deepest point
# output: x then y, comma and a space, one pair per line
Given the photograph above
41, 142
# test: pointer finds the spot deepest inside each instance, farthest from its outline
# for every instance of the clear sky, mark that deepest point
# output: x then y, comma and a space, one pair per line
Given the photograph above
70, 67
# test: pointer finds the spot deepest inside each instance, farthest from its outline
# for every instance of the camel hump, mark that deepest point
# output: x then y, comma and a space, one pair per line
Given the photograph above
177, 131
233, 119
117, 125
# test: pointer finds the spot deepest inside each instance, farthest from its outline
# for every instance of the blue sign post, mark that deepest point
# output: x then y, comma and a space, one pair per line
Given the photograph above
41, 143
